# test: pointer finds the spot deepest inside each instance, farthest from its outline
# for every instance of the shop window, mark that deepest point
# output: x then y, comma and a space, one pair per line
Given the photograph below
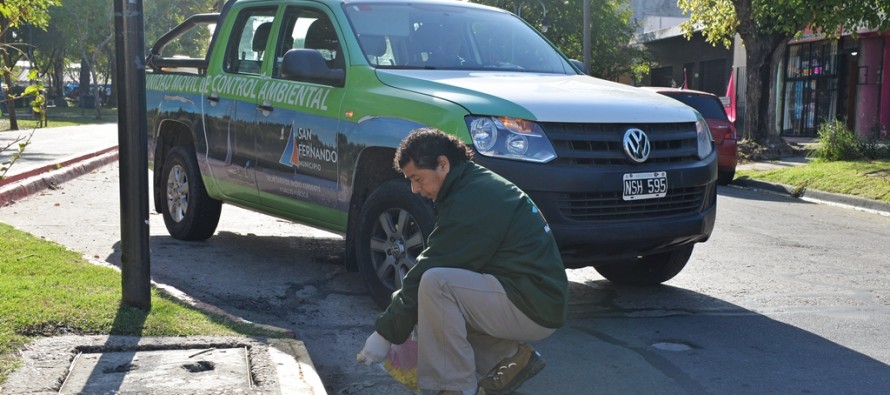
810, 91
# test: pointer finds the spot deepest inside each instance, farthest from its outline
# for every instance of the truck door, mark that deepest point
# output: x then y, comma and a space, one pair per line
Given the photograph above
298, 163
230, 106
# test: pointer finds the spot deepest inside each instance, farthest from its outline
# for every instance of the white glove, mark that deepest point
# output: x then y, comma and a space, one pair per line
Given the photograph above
375, 349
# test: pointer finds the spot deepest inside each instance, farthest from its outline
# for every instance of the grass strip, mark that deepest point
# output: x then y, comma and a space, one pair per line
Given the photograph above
867, 179
46, 290
59, 117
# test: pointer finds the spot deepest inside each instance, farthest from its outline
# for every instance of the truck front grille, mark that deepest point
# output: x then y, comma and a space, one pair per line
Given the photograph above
610, 206
600, 144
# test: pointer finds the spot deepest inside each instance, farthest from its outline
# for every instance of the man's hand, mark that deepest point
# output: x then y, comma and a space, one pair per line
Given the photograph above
374, 351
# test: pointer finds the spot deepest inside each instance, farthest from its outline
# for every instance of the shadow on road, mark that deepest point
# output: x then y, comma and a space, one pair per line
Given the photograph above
249, 272
761, 195
666, 339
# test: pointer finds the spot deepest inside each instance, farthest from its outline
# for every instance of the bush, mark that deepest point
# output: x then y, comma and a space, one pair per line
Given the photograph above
837, 142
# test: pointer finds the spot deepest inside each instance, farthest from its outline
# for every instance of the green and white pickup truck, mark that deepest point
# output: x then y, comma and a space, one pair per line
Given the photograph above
294, 108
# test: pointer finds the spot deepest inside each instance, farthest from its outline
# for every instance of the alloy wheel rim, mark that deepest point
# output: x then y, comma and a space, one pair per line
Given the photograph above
177, 193
396, 241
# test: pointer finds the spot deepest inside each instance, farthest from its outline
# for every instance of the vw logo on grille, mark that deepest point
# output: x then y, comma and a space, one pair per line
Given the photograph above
636, 145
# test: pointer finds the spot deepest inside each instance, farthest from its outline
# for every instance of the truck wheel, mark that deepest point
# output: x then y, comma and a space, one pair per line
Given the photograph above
648, 270
725, 177
392, 232
189, 213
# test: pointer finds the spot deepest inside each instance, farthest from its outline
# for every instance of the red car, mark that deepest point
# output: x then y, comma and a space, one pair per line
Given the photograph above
723, 131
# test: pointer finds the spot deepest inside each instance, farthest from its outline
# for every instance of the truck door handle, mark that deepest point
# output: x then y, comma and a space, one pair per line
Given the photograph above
263, 107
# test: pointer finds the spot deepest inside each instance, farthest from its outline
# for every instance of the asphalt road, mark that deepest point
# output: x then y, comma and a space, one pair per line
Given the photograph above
787, 297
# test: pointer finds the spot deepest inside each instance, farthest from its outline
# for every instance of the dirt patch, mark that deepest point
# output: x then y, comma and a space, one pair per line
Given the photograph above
883, 173
774, 149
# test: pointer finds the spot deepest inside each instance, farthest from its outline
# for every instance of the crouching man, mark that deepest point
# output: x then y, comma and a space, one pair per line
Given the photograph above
490, 281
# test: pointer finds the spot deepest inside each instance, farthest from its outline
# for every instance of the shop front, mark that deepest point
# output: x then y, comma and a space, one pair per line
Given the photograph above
823, 80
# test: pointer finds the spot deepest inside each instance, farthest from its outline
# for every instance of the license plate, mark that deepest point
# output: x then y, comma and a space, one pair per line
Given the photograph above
639, 186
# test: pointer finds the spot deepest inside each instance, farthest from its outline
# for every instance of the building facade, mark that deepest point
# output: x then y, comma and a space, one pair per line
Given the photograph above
821, 80
817, 80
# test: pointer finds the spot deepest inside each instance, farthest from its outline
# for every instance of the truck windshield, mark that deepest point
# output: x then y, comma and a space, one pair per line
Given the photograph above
458, 37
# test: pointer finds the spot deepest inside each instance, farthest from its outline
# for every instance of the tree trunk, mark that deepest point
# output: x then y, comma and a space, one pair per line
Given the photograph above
759, 67
773, 102
98, 94
94, 73
58, 78
760, 47
10, 103
760, 119
83, 82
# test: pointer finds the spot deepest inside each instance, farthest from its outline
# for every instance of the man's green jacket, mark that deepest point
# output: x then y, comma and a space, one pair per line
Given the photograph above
487, 225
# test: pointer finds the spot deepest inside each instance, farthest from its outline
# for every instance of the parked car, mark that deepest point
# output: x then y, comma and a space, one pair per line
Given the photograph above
723, 131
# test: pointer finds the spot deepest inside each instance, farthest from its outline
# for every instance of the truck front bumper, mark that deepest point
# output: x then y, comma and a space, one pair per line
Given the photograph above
593, 225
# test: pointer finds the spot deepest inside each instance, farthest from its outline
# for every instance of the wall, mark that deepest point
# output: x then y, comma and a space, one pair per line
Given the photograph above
678, 52
884, 105
868, 95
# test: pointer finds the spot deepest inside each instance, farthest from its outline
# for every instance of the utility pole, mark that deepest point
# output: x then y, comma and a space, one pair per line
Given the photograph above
585, 38
133, 152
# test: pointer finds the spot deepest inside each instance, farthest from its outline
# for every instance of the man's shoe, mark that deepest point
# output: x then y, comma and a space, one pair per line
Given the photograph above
510, 373
479, 391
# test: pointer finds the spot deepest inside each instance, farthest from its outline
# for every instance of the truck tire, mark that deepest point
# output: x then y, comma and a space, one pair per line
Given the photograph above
189, 213
725, 177
648, 270
392, 231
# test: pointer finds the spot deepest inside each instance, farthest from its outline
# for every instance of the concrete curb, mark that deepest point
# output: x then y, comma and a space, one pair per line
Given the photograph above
49, 176
66, 163
816, 195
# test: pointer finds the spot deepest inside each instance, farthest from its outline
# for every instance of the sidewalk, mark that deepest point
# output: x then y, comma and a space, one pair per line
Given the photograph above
54, 156
812, 195
88, 364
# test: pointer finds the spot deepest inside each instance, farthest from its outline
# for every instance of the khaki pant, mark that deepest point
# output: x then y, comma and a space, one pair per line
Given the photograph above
466, 325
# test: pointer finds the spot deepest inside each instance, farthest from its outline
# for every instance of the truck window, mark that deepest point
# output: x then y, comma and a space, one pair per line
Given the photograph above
441, 36
191, 44
247, 44
377, 49
310, 29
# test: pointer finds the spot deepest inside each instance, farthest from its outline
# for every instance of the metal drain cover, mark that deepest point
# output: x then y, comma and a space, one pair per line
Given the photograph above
173, 371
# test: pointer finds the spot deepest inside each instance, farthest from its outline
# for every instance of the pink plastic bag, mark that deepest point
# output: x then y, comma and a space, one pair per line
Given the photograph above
401, 362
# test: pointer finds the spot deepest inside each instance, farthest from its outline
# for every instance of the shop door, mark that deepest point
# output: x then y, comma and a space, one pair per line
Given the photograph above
810, 89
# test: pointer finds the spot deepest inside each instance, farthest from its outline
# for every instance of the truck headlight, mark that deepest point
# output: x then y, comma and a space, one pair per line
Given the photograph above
511, 138
703, 134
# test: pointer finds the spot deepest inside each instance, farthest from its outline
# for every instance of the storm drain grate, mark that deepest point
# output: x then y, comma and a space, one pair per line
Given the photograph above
159, 371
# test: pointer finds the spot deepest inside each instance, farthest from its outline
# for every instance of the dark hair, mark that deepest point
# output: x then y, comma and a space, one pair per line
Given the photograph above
423, 146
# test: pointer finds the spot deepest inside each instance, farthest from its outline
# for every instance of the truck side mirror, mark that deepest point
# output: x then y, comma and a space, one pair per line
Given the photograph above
309, 65
579, 65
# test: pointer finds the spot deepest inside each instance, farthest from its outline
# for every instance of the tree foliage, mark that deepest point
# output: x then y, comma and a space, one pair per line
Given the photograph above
81, 32
611, 29
14, 15
765, 26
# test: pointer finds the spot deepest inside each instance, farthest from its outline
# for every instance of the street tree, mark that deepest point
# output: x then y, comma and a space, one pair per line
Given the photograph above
611, 31
49, 55
765, 28
89, 27
14, 15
